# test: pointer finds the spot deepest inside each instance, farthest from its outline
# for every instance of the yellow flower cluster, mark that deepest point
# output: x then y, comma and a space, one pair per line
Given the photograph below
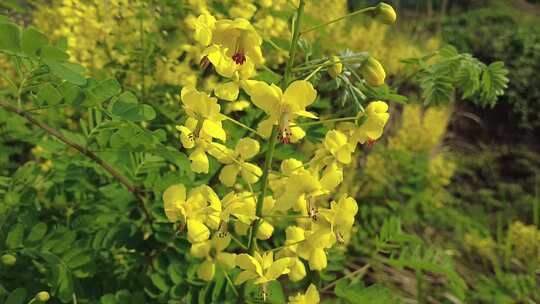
302, 191
95, 30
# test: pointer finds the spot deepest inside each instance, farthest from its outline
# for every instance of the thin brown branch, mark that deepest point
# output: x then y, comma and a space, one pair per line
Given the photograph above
107, 167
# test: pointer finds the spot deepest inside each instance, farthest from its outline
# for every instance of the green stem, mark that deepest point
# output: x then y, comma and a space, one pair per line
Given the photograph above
264, 182
368, 9
273, 136
294, 43
326, 121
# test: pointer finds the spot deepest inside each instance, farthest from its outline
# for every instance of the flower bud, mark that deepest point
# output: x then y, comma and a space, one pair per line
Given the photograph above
373, 72
337, 67
385, 13
265, 230
9, 260
43, 296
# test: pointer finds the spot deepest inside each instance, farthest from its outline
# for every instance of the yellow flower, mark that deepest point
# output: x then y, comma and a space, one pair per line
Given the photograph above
240, 205
245, 149
200, 210
205, 110
373, 72
240, 40
213, 251
229, 90
303, 187
310, 297
204, 25
261, 269
376, 117
335, 147
200, 145
340, 217
283, 108
313, 248
278, 182
294, 236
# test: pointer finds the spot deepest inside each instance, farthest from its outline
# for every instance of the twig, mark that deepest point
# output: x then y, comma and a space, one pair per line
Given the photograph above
117, 175
360, 271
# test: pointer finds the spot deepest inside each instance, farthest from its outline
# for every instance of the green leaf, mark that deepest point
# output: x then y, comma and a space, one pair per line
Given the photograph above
358, 294
49, 95
10, 37
17, 296
159, 282
127, 107
15, 236
108, 299
494, 82
100, 92
52, 53
37, 232
32, 41
68, 71
275, 293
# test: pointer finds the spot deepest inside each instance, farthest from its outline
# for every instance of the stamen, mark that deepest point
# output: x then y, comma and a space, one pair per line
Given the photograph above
239, 58
285, 133
371, 143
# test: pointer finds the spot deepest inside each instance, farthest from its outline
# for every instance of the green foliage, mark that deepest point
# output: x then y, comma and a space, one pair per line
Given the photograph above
508, 35
447, 71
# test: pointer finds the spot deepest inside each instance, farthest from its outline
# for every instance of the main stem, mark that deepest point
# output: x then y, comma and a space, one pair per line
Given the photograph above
273, 136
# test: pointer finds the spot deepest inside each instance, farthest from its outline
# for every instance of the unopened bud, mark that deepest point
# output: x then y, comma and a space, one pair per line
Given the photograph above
9, 260
373, 72
385, 13
265, 230
43, 296
337, 67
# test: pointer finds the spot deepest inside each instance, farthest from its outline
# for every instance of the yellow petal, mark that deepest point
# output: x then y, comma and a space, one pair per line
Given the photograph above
172, 197
197, 231
245, 276
227, 91
199, 161
297, 133
265, 126
312, 295
247, 262
206, 270
298, 270
332, 177
214, 129
250, 173
226, 260
201, 250
228, 175
265, 97
300, 94
247, 148
221, 243
317, 260
223, 64
278, 268
186, 137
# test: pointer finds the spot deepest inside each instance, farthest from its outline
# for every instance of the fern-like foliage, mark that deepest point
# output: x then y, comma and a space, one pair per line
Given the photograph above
446, 71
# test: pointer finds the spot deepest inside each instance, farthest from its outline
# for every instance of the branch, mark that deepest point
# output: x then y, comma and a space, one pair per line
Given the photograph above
113, 172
